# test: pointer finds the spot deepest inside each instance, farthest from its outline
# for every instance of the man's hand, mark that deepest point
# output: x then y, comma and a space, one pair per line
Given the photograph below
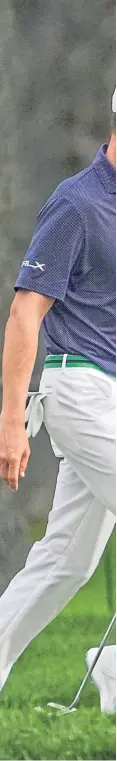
14, 452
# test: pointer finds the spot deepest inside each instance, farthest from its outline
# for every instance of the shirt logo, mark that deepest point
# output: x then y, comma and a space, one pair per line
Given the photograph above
34, 266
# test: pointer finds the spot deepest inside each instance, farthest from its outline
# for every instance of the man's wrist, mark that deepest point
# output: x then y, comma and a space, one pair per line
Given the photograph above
13, 418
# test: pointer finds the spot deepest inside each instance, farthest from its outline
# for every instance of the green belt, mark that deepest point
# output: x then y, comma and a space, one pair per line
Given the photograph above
72, 360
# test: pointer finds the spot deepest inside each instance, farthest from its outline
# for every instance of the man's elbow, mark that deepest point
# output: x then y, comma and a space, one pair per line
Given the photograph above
30, 306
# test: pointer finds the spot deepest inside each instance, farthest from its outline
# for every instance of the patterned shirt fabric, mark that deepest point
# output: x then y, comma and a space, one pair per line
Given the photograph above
72, 258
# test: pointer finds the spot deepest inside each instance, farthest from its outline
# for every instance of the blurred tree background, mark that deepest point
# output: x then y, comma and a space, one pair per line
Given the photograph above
56, 79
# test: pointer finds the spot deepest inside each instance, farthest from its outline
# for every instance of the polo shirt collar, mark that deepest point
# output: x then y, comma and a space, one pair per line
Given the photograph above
105, 170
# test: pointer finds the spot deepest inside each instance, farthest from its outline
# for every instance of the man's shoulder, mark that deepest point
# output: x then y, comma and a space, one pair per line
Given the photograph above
75, 192
75, 183
79, 190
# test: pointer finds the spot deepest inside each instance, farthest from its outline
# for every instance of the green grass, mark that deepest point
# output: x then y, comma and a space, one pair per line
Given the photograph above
52, 668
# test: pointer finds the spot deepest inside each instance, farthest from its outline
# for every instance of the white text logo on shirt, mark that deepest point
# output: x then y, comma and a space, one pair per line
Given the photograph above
34, 266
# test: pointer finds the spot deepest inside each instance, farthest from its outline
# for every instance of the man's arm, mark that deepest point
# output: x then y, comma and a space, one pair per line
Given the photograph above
20, 349
19, 354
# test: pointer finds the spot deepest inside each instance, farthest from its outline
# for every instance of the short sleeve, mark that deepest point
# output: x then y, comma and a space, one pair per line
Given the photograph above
55, 246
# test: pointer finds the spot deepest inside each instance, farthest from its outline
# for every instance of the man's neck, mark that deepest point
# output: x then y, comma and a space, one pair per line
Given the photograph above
111, 150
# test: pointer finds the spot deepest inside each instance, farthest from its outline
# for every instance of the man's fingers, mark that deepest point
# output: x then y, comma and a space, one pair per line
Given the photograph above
14, 467
17, 469
9, 473
14, 452
4, 471
13, 474
24, 463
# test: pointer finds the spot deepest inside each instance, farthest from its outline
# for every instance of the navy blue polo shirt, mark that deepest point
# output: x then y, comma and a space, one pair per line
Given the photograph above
72, 258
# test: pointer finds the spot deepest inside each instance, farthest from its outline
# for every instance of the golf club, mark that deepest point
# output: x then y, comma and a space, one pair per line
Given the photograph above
72, 707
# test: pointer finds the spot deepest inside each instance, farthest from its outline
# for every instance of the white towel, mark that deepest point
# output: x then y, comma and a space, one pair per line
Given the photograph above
34, 414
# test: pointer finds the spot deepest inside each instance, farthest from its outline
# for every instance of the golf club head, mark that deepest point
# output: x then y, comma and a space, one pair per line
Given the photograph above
61, 708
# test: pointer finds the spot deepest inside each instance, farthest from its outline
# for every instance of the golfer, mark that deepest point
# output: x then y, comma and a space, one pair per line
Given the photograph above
67, 283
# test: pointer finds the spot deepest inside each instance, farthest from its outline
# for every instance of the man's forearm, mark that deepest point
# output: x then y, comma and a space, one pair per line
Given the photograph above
19, 354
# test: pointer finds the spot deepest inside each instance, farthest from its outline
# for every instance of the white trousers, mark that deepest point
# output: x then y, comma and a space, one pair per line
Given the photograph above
104, 676
79, 414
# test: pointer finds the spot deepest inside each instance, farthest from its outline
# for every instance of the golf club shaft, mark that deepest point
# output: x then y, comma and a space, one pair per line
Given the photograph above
89, 672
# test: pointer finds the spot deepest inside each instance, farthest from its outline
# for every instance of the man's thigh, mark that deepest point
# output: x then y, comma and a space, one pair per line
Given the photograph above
80, 417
